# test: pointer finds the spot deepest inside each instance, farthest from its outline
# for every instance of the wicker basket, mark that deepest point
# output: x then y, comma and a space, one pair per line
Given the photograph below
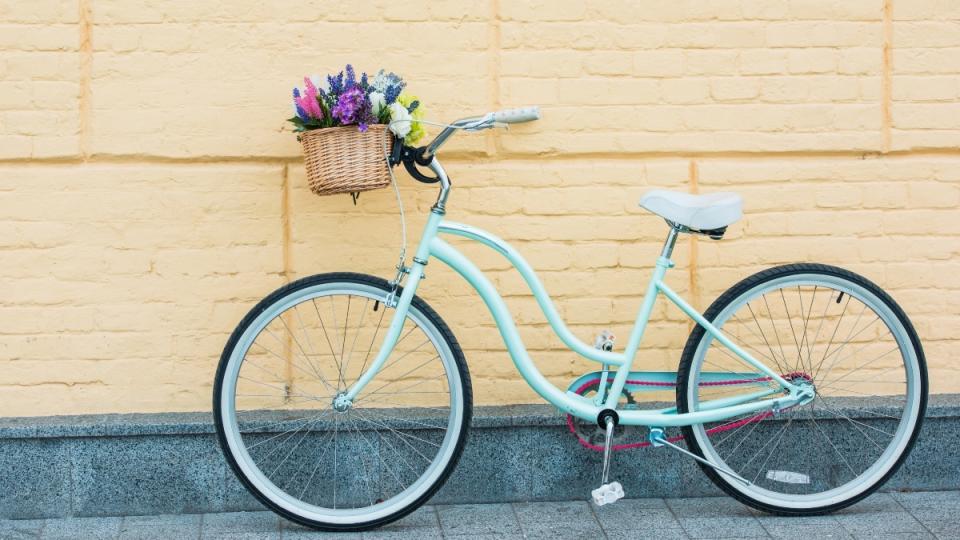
345, 159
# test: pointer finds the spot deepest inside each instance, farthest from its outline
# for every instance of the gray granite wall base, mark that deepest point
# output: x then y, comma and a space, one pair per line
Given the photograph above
170, 463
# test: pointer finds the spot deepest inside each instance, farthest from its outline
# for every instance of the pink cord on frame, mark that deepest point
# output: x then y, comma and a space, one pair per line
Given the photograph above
719, 429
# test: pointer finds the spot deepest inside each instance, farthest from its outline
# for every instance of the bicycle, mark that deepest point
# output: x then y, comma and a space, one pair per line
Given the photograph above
337, 422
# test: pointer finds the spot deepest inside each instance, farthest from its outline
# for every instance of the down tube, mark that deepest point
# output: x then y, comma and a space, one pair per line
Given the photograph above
511, 337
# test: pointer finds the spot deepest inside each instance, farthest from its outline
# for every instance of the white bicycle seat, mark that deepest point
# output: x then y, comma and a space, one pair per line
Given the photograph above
700, 212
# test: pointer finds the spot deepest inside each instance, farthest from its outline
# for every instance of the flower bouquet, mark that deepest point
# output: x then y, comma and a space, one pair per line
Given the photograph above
348, 126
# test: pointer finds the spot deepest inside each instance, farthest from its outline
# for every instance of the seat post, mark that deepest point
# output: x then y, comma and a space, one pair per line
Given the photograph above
670, 241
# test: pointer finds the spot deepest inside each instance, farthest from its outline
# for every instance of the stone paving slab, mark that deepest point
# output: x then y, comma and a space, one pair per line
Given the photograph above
882, 516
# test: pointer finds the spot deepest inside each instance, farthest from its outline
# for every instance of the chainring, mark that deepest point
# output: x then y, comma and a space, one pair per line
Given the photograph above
591, 435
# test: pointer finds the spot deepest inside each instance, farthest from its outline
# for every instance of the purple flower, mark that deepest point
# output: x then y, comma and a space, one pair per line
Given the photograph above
351, 78
362, 126
391, 94
350, 105
336, 84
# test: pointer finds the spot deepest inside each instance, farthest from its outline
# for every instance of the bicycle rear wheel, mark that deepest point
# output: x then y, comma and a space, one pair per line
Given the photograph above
816, 325
321, 463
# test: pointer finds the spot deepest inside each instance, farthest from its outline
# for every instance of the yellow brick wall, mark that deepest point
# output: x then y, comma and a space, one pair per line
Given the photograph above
150, 194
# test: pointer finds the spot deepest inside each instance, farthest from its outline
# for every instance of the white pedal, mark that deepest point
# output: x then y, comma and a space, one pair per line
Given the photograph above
607, 494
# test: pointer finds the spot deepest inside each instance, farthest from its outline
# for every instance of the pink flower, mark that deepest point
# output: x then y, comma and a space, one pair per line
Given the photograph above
308, 101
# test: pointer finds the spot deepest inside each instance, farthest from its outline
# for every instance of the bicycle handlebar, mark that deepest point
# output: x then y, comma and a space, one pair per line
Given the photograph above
477, 123
515, 116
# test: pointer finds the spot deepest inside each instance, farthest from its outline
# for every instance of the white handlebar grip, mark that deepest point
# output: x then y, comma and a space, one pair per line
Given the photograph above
514, 116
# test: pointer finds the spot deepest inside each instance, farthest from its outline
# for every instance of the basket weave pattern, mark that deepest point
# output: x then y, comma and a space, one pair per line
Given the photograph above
345, 159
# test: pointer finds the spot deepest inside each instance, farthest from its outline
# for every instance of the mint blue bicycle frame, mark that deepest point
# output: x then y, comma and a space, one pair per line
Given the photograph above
432, 246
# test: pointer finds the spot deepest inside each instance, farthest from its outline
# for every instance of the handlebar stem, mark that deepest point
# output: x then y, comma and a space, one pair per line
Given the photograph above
440, 206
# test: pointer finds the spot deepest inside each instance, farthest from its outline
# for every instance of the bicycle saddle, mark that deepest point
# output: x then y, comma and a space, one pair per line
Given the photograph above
698, 212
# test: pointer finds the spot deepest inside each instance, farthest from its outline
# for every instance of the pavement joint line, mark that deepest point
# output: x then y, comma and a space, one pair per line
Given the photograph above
676, 518
760, 522
909, 513
516, 517
436, 517
593, 511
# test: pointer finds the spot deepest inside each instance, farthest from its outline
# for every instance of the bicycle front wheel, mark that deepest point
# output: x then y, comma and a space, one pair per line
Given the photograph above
326, 463
820, 326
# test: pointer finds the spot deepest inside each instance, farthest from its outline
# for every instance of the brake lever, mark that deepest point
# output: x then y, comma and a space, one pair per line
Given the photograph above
485, 122
410, 158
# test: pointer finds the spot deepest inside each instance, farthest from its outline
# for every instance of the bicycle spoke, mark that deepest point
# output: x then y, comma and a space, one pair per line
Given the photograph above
834, 335
841, 348
336, 445
749, 346
292, 450
372, 341
775, 332
282, 359
366, 469
281, 388
823, 318
375, 412
307, 358
806, 321
402, 437
363, 315
429, 360
308, 420
854, 370
830, 442
406, 354
769, 347
324, 328
773, 450
793, 332
343, 344
397, 344
320, 462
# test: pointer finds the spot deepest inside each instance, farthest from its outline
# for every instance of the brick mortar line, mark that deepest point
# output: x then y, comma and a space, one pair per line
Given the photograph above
286, 261
86, 69
494, 70
694, 177
886, 78
285, 232
461, 158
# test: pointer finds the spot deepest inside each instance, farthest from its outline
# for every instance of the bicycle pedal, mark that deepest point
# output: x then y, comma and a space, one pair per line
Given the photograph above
607, 494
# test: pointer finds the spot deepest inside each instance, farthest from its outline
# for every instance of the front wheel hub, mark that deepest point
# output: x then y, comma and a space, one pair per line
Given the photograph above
341, 403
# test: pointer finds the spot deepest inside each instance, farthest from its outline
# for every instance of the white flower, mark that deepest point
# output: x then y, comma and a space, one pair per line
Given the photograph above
400, 120
377, 102
379, 82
